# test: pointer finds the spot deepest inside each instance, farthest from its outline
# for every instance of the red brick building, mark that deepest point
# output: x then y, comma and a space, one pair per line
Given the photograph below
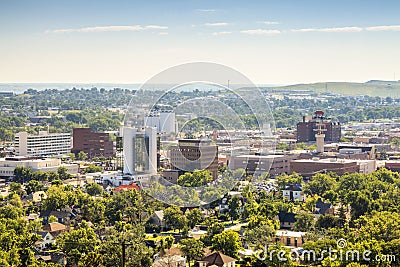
306, 129
92, 143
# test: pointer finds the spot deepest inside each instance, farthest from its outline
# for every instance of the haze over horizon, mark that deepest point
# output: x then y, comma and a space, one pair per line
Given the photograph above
125, 42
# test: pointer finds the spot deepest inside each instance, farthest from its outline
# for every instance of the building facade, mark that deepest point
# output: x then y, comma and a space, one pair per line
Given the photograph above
140, 150
7, 165
191, 154
92, 143
306, 129
310, 167
256, 165
43, 144
164, 121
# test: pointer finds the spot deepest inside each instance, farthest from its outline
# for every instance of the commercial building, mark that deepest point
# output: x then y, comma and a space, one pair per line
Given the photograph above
306, 129
309, 167
164, 121
140, 150
92, 143
43, 144
7, 165
256, 165
192, 154
393, 165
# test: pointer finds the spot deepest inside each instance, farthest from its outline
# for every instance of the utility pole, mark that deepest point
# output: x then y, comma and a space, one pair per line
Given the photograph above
123, 248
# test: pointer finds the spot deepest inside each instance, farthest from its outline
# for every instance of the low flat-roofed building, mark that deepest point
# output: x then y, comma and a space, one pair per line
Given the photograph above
393, 165
7, 165
258, 164
290, 238
310, 167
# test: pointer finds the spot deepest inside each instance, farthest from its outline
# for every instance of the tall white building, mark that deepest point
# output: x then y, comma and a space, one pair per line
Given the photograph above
42, 145
164, 121
140, 150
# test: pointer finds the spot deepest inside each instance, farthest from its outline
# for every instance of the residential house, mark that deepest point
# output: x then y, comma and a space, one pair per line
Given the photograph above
322, 207
35, 197
55, 228
54, 257
172, 257
157, 218
217, 259
293, 192
46, 241
290, 238
170, 261
62, 216
286, 219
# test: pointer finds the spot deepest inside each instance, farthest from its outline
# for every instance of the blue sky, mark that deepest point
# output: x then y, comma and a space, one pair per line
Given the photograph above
272, 42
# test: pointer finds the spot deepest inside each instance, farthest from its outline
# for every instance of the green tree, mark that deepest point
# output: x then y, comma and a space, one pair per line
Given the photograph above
260, 235
195, 179
93, 168
63, 173
174, 218
16, 188
137, 252
192, 249
92, 259
33, 186
320, 183
82, 155
52, 219
194, 217
233, 208
228, 242
94, 189
77, 243
304, 222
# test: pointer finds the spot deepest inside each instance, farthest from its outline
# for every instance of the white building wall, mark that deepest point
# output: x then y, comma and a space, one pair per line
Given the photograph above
128, 134
43, 144
167, 122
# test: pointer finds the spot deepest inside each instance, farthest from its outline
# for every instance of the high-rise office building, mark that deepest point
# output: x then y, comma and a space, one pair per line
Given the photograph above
92, 143
140, 150
307, 129
164, 121
191, 154
43, 144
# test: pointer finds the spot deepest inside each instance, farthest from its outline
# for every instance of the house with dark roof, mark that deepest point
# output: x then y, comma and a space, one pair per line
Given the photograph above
54, 257
217, 259
62, 216
157, 218
293, 192
286, 219
322, 207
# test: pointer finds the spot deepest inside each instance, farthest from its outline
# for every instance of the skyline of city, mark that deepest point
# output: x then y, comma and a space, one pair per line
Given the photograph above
128, 42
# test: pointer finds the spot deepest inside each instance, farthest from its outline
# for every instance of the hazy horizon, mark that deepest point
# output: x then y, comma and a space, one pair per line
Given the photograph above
274, 42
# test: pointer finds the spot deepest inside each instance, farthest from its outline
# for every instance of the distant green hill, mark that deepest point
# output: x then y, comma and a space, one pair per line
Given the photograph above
371, 88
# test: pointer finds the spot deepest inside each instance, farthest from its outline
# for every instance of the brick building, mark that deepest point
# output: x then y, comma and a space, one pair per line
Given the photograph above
306, 128
92, 143
191, 154
309, 167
